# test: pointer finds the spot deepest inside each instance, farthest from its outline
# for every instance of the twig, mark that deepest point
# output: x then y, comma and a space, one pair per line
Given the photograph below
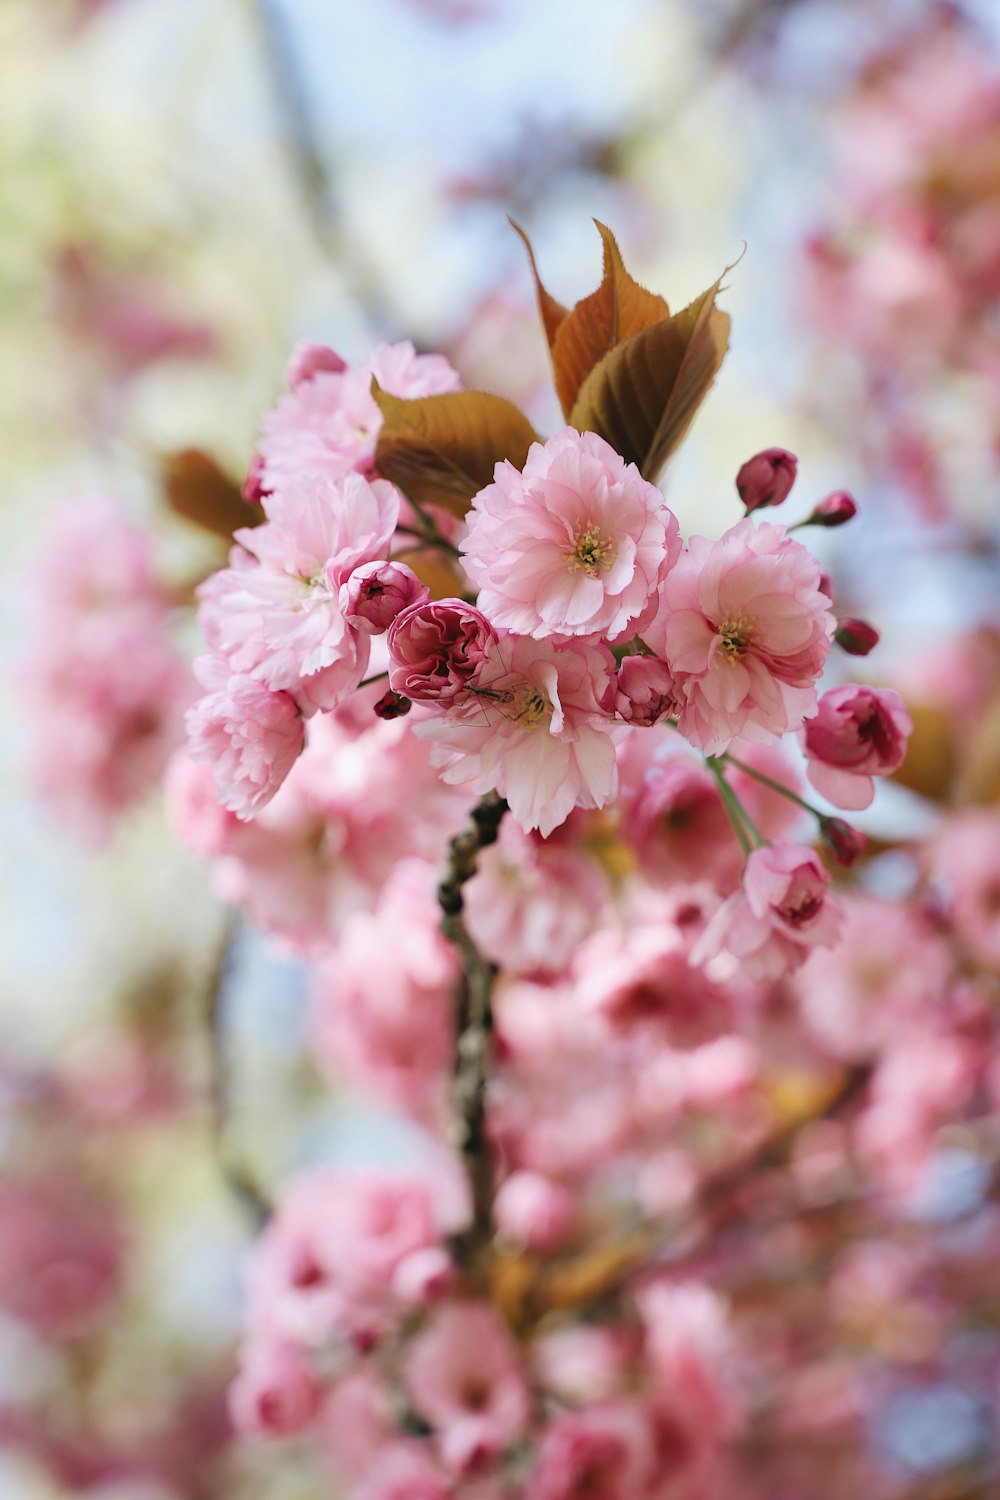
300, 138
236, 1176
474, 1021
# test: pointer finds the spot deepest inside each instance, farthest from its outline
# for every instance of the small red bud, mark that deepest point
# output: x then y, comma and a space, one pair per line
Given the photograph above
842, 841
856, 637
833, 511
767, 478
254, 489
392, 705
825, 586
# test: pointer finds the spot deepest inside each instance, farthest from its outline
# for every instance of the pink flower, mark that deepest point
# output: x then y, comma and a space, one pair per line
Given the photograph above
645, 691
575, 544
965, 860
604, 1452
330, 422
383, 1000
325, 1266
404, 1471
857, 733
279, 617
745, 628
437, 649
889, 968
377, 592
677, 823
250, 736
463, 1375
307, 360
275, 1394
689, 1346
533, 1210
531, 731
533, 900
782, 913
645, 980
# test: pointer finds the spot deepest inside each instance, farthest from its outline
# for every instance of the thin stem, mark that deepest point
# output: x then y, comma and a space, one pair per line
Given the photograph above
769, 781
376, 677
432, 535
733, 806
474, 1022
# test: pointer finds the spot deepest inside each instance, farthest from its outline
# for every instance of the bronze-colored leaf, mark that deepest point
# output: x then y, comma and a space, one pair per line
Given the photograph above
579, 340
200, 491
552, 312
978, 778
645, 392
929, 767
442, 450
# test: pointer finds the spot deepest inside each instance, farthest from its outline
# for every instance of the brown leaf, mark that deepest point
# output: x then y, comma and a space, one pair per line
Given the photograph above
442, 450
929, 767
580, 339
200, 491
552, 312
644, 394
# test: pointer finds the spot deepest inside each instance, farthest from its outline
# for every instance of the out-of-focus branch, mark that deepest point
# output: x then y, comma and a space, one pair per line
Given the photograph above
234, 1172
310, 167
474, 1020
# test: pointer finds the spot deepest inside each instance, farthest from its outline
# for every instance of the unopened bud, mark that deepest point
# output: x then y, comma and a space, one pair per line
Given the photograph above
645, 691
856, 637
825, 586
843, 842
833, 511
254, 489
309, 360
767, 478
377, 592
392, 706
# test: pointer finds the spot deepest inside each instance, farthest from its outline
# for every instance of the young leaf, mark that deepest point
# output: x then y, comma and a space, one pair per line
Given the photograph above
579, 340
552, 312
442, 450
644, 393
200, 491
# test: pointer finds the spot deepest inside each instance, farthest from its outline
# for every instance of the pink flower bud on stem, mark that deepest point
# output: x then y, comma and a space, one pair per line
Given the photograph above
842, 841
834, 510
856, 637
767, 478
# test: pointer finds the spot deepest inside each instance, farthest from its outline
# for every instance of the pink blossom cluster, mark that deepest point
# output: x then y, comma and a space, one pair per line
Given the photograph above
905, 272
102, 718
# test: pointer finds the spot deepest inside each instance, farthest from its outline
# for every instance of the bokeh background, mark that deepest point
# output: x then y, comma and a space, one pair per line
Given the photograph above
186, 189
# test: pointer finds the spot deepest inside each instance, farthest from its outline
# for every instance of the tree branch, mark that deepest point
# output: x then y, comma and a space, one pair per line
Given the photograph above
474, 1021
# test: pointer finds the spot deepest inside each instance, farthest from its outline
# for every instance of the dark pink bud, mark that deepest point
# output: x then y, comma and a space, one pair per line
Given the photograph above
645, 691
825, 586
375, 593
392, 706
437, 649
767, 478
843, 842
309, 360
833, 511
856, 637
254, 489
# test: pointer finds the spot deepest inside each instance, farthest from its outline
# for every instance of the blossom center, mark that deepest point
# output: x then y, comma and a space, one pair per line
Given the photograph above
533, 707
592, 551
736, 634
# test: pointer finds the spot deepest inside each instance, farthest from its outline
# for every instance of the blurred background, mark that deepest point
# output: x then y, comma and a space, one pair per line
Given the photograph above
186, 190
